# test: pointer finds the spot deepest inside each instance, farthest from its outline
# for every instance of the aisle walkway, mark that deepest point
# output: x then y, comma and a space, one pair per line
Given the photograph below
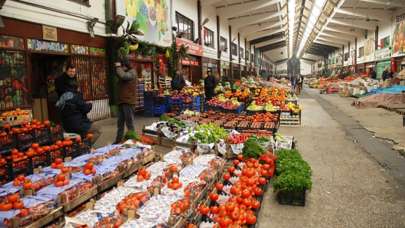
350, 189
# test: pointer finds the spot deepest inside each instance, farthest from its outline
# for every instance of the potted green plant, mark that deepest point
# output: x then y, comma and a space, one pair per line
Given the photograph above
293, 178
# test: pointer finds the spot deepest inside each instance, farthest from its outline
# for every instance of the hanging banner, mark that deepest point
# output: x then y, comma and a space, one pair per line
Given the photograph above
153, 17
193, 48
11, 42
398, 40
40, 45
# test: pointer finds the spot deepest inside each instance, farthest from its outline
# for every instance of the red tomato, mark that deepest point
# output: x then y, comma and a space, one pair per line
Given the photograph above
229, 207
213, 196
251, 219
236, 162
262, 181
258, 191
214, 210
203, 210
231, 169
219, 186
227, 176
246, 193
240, 157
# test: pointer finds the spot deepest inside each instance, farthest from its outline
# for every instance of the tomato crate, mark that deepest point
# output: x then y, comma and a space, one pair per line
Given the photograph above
24, 141
23, 167
42, 136
5, 173
54, 154
7, 142
56, 133
40, 160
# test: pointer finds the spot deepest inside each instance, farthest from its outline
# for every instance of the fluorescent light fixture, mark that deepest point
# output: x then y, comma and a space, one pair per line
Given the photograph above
313, 18
291, 19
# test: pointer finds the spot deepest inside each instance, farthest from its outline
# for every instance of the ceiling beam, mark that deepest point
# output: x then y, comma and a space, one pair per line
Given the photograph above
260, 27
244, 8
380, 15
253, 19
210, 2
339, 37
266, 38
354, 23
261, 34
385, 3
344, 31
273, 46
272, 41
329, 43
341, 42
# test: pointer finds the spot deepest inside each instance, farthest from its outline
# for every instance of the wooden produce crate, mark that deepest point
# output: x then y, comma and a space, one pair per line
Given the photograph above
42, 222
288, 118
80, 200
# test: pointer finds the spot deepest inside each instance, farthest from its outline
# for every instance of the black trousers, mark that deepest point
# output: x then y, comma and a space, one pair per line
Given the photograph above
126, 116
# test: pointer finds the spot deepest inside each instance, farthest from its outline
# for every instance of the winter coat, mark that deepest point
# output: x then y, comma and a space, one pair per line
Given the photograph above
73, 110
178, 82
127, 86
64, 84
209, 87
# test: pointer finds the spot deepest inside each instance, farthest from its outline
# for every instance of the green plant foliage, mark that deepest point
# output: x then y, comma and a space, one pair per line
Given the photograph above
131, 135
209, 133
253, 147
293, 173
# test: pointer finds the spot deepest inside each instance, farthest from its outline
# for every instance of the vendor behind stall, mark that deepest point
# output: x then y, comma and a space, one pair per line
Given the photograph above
209, 85
178, 81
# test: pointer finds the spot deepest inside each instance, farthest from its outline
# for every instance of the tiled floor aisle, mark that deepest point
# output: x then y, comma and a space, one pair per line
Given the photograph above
349, 188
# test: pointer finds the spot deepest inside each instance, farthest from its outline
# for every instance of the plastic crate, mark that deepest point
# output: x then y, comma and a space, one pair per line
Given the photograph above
159, 110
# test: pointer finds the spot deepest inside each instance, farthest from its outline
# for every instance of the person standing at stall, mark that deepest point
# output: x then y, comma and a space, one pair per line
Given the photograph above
372, 74
209, 85
386, 74
178, 81
127, 93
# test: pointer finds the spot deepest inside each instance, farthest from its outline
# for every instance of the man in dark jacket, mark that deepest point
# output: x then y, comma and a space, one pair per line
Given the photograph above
386, 74
209, 86
127, 87
67, 81
178, 81
372, 74
72, 108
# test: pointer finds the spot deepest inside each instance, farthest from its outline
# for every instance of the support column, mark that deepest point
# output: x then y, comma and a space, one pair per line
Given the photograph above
343, 55
230, 53
218, 48
376, 37
199, 21
355, 55
239, 60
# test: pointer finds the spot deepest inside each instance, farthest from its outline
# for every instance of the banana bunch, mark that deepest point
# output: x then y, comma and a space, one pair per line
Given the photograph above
293, 107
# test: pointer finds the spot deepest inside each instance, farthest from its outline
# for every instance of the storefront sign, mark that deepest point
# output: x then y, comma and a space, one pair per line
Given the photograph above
39, 45
97, 51
189, 62
381, 54
49, 33
11, 42
193, 48
78, 49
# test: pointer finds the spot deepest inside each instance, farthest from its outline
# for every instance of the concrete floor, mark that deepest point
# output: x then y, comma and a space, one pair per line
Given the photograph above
350, 188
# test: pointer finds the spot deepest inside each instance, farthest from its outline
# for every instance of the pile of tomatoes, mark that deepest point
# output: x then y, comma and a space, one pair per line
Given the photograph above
89, 169
174, 183
180, 206
13, 202
132, 202
61, 180
241, 201
238, 138
143, 175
